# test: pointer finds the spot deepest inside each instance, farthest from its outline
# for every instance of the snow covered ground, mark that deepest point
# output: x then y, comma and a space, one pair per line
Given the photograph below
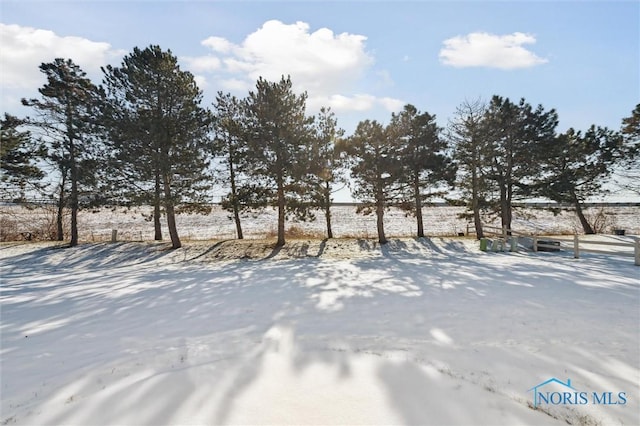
438, 221
428, 331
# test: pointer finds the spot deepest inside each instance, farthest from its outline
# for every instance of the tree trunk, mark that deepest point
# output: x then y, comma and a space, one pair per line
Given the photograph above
504, 213
509, 187
74, 208
478, 223
418, 212
382, 239
234, 199
236, 219
509, 207
157, 226
171, 215
60, 213
583, 220
281, 208
74, 195
475, 204
327, 208
70, 134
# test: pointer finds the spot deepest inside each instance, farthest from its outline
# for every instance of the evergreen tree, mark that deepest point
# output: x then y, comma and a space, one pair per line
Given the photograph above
631, 126
135, 176
278, 135
375, 170
327, 164
66, 117
578, 166
158, 133
520, 137
18, 156
424, 158
631, 161
230, 144
466, 133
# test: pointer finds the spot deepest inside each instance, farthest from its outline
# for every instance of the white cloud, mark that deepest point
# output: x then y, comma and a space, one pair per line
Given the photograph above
236, 85
358, 102
392, 104
25, 48
327, 65
201, 81
218, 44
236, 66
319, 60
488, 50
338, 103
202, 63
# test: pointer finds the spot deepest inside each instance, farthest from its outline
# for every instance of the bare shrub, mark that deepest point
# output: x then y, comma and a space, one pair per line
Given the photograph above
30, 222
357, 235
601, 220
8, 229
295, 232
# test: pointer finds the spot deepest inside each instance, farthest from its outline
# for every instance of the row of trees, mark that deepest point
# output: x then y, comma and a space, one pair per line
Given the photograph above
509, 152
143, 137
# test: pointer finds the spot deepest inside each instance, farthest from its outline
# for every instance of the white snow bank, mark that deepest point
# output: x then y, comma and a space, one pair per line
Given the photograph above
417, 333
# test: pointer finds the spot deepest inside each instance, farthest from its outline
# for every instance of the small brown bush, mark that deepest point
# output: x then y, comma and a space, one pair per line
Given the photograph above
601, 220
18, 223
296, 232
8, 229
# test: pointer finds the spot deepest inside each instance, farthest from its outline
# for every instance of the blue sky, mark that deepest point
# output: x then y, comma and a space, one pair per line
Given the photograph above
363, 58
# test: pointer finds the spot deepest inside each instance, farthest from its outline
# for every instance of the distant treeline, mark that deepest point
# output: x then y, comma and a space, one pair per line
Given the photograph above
142, 137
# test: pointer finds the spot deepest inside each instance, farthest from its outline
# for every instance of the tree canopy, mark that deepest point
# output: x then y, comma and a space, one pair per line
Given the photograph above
142, 138
66, 119
375, 170
18, 159
427, 168
279, 134
158, 133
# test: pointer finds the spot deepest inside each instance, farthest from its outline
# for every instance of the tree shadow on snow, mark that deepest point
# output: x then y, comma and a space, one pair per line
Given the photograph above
204, 338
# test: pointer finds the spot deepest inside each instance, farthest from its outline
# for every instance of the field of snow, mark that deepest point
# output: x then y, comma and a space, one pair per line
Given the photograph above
428, 331
133, 225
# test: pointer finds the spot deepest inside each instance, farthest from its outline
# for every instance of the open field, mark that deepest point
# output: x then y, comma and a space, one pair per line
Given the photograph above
426, 331
439, 221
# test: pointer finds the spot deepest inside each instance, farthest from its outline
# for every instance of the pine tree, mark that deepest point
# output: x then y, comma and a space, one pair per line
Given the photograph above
375, 170
327, 164
520, 137
134, 176
230, 144
631, 126
18, 160
466, 133
66, 117
424, 158
279, 136
577, 167
159, 135
630, 162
